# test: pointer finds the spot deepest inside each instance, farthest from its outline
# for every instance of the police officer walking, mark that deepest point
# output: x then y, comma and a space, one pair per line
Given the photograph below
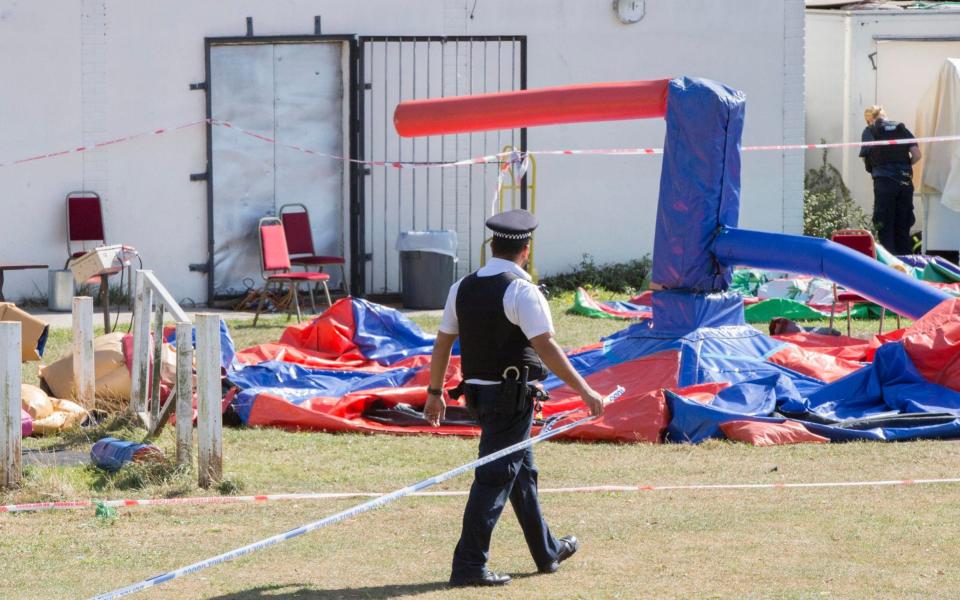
506, 340
892, 169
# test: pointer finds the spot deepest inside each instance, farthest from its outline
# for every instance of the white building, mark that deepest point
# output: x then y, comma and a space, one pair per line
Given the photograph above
78, 72
889, 56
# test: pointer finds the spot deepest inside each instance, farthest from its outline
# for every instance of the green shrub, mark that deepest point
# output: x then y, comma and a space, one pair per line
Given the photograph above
828, 205
627, 277
229, 486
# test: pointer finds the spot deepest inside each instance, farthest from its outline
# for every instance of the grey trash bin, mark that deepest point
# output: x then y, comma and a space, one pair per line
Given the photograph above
428, 267
60, 290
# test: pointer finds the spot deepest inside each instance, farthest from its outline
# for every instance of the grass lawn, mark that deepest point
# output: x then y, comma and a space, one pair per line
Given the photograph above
783, 543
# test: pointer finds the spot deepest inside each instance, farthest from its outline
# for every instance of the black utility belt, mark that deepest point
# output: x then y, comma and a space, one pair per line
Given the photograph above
512, 395
502, 398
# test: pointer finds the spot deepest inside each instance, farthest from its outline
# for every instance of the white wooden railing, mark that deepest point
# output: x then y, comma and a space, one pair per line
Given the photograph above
151, 303
10, 404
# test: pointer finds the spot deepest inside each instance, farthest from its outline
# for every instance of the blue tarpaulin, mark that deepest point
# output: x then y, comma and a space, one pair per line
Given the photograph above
297, 384
886, 400
385, 335
889, 392
699, 183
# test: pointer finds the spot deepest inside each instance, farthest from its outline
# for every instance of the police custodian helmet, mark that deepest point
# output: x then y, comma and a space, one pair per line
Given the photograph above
513, 224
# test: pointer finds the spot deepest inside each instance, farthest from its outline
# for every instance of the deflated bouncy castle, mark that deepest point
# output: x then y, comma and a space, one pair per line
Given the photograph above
693, 371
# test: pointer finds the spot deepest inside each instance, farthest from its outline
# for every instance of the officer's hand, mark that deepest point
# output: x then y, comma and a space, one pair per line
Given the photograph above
593, 400
435, 409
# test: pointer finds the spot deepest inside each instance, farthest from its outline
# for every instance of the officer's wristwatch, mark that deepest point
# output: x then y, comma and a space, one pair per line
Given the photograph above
434, 391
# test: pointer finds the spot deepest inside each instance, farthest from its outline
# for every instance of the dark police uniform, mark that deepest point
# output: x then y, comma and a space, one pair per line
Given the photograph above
892, 174
494, 311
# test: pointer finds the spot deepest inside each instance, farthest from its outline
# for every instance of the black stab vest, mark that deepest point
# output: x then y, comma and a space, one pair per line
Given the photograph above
489, 343
889, 130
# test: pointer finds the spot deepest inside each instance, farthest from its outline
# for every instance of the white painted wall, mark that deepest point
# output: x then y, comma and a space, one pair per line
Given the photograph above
906, 71
842, 81
826, 69
40, 113
91, 68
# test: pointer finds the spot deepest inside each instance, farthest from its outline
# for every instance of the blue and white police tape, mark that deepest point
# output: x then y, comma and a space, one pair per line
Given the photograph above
549, 430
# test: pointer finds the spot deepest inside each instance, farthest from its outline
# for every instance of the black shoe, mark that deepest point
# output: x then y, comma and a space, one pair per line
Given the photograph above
489, 578
568, 547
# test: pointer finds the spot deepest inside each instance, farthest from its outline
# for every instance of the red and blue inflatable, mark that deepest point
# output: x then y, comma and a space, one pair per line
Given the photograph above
696, 365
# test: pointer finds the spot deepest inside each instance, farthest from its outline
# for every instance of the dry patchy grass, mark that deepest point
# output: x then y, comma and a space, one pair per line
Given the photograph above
783, 543
890, 542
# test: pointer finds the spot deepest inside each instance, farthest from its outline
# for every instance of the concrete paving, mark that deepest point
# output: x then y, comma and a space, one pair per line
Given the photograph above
54, 458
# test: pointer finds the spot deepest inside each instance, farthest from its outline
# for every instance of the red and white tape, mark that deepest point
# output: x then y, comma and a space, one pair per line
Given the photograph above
493, 158
780, 147
206, 500
501, 156
907, 142
478, 160
103, 144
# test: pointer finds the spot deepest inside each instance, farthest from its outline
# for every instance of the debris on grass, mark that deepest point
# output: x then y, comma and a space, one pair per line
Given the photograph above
229, 486
104, 513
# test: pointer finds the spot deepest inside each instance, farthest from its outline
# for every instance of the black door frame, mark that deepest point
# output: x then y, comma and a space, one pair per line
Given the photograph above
353, 134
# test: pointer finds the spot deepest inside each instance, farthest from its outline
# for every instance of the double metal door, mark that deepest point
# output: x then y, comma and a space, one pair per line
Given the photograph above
275, 96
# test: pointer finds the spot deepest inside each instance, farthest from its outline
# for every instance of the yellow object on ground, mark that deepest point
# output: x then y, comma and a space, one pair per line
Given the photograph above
66, 414
50, 415
110, 370
35, 401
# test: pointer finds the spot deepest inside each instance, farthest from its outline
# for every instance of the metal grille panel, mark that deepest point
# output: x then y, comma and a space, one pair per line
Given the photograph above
395, 200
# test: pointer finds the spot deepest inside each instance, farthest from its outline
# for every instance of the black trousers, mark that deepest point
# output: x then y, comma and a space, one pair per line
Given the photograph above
893, 214
514, 476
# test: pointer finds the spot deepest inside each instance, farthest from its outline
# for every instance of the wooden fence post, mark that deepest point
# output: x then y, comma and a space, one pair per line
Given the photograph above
84, 379
209, 417
157, 364
139, 387
10, 432
184, 406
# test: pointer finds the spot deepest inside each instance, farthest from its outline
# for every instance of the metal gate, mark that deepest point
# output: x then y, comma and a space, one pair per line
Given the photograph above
388, 200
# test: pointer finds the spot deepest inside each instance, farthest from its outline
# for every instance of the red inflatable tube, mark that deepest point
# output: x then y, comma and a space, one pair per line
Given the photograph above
527, 108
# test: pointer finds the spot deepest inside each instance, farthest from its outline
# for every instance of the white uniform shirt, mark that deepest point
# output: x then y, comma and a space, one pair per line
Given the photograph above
523, 303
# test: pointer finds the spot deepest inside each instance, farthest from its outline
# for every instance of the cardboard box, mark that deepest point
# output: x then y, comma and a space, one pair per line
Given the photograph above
33, 330
94, 262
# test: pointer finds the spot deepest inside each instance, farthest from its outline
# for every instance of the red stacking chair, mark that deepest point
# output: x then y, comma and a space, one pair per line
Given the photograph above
85, 224
296, 225
862, 241
275, 267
